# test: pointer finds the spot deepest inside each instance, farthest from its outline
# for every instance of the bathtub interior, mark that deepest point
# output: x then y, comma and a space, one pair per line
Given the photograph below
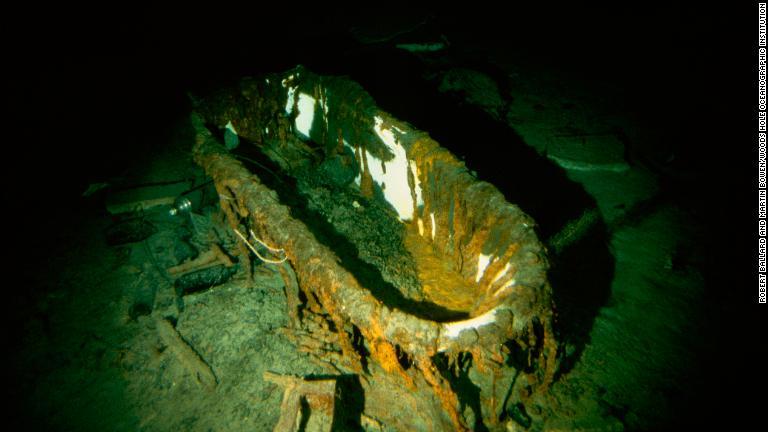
403, 215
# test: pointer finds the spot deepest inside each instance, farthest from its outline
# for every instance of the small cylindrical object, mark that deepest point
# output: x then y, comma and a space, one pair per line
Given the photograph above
181, 205
195, 199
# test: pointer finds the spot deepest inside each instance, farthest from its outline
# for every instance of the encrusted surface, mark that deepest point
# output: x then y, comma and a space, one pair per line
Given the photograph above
472, 252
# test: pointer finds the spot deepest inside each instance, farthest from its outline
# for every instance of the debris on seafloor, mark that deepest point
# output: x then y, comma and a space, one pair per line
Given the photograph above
94, 188
192, 200
145, 197
186, 356
212, 257
573, 231
476, 88
422, 47
130, 230
308, 405
211, 268
434, 281
576, 150
205, 278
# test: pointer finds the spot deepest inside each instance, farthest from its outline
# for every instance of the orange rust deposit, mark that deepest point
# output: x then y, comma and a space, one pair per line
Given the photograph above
395, 248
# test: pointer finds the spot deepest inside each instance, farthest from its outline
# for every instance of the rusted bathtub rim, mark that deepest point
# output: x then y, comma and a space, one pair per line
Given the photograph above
299, 105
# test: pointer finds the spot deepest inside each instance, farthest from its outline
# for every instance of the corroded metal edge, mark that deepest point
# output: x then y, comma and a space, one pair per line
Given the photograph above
256, 111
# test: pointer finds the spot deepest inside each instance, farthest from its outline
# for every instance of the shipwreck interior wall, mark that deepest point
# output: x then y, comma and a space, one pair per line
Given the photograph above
602, 127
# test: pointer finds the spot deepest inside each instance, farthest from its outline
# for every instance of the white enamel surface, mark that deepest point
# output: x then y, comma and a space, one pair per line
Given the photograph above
482, 263
434, 227
505, 287
392, 177
452, 330
290, 99
397, 191
501, 273
324, 104
287, 80
306, 106
416, 183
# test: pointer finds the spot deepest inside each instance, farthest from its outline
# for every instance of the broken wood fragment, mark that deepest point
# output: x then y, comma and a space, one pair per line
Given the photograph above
187, 356
213, 256
319, 396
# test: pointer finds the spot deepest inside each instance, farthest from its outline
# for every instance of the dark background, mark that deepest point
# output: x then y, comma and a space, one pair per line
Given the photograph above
91, 89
